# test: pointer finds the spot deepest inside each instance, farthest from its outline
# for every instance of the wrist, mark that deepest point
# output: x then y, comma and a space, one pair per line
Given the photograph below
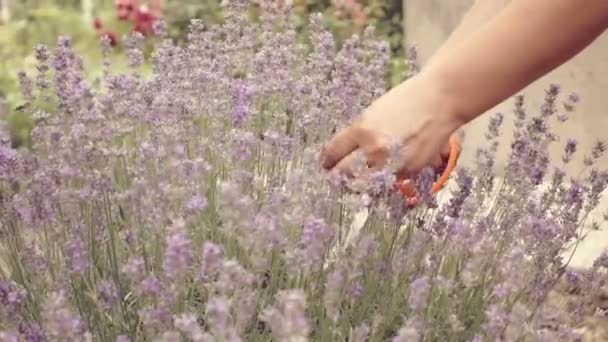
442, 96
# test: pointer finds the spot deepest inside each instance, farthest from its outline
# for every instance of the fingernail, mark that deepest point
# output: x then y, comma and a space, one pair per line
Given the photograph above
325, 162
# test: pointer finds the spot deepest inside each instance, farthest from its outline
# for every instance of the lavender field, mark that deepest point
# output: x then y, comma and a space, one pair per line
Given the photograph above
189, 204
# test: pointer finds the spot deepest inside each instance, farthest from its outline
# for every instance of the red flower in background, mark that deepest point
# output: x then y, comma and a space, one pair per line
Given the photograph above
111, 36
124, 8
353, 9
97, 24
139, 15
100, 32
143, 21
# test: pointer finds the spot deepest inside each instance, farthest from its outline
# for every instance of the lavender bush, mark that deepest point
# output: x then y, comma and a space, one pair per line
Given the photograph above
189, 205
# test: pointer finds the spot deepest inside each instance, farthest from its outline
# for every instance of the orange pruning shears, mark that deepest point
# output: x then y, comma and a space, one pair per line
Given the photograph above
407, 188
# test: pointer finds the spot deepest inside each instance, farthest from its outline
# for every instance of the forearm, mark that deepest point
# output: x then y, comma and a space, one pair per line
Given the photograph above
480, 13
526, 40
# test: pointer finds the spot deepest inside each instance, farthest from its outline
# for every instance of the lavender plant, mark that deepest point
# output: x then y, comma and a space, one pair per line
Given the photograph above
189, 205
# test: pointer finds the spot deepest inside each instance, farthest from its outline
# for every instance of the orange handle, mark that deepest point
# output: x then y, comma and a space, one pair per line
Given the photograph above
453, 153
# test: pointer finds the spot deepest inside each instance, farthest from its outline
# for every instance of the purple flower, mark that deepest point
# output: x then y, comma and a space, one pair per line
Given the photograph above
107, 295
596, 153
464, 180
188, 324
10, 163
598, 181
412, 61
286, 318
356, 290
494, 126
548, 107
323, 41
602, 261
455, 228
333, 292
571, 101
542, 230
77, 258
242, 99
598, 149
495, 320
243, 145
536, 175
134, 268
123, 338
26, 85
68, 79
31, 332
41, 53
314, 242
537, 127
159, 28
61, 323
211, 260
155, 317
8, 336
219, 319
574, 194
419, 291
569, 150
424, 184
178, 256
501, 291
233, 276
266, 235
12, 296
196, 204
151, 286
410, 331
279, 143
520, 112
133, 46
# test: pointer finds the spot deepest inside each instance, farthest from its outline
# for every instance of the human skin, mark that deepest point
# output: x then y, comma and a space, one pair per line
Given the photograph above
485, 61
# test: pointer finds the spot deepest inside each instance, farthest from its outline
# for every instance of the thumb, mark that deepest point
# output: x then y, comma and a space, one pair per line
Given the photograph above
341, 145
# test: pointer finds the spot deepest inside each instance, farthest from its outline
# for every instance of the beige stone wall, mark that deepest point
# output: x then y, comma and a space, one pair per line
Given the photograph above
428, 23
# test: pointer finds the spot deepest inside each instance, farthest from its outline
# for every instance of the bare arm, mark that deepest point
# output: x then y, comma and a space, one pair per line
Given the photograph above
485, 61
526, 40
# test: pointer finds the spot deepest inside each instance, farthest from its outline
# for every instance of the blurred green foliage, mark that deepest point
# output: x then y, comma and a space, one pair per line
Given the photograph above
30, 26
178, 14
40, 25
18, 37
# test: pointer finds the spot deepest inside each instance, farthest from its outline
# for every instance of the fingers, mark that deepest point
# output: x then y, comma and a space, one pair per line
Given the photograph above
372, 158
341, 154
346, 165
401, 161
341, 145
411, 164
445, 151
437, 162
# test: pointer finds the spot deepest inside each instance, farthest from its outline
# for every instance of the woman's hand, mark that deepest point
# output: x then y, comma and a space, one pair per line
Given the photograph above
469, 78
414, 115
